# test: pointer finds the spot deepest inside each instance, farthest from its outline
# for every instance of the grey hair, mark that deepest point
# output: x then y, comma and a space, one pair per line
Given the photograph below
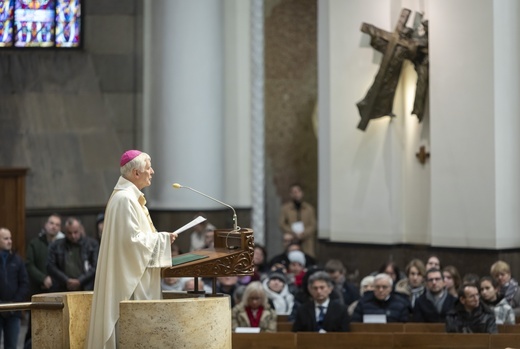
383, 276
137, 163
322, 276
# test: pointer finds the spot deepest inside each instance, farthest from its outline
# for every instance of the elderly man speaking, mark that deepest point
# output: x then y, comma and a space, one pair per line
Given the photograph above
131, 254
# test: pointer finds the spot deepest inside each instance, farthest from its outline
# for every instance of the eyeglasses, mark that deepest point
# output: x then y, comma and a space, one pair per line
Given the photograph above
434, 279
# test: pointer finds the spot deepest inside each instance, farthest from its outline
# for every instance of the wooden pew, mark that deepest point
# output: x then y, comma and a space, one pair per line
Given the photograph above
508, 328
501, 341
425, 327
344, 340
441, 340
285, 340
282, 318
380, 328
284, 326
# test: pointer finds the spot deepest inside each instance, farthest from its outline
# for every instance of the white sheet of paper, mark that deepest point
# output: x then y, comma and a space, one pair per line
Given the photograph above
374, 319
193, 223
298, 227
247, 330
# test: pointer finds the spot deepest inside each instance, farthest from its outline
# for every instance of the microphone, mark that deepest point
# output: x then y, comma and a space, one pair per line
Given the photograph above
235, 225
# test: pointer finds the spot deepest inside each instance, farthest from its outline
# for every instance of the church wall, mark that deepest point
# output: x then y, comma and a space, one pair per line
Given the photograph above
68, 114
376, 201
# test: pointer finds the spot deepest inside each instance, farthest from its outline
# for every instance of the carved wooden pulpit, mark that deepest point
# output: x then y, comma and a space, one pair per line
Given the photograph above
231, 256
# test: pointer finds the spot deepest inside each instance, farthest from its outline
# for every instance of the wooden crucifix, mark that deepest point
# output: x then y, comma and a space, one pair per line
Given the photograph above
396, 47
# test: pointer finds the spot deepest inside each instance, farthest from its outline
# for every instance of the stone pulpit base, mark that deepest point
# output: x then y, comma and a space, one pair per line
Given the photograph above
176, 323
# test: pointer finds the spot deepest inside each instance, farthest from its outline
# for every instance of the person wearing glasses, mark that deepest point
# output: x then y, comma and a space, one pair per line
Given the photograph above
469, 315
382, 305
434, 304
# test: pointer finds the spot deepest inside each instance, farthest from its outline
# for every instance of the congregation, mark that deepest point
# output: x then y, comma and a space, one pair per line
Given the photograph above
313, 295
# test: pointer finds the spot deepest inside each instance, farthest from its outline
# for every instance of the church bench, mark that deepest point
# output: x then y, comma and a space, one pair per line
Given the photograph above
284, 340
425, 327
501, 341
282, 318
508, 328
344, 340
284, 326
385, 328
441, 340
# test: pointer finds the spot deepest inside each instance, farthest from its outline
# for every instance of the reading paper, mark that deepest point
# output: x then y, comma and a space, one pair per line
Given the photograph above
193, 223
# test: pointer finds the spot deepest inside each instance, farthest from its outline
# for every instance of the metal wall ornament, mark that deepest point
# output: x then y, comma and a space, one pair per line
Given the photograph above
403, 43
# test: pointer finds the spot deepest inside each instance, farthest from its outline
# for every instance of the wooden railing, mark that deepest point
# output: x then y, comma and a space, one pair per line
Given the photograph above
31, 306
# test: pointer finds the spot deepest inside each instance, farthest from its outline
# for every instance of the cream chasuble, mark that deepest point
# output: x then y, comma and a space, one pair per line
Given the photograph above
131, 256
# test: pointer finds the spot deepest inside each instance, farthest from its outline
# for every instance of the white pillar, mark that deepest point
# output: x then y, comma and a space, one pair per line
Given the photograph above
474, 125
184, 101
258, 117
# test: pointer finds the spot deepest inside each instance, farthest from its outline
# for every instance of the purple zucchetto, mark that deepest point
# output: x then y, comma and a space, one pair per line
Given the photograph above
128, 156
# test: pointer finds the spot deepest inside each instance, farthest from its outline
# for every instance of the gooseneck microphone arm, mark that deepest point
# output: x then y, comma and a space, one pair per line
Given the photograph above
235, 224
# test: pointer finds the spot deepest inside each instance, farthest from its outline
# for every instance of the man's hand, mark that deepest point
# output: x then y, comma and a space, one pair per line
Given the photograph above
73, 284
47, 283
173, 236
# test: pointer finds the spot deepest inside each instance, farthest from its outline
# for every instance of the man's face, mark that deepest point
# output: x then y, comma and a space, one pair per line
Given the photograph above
73, 232
487, 291
471, 298
144, 179
433, 262
296, 193
5, 240
382, 289
336, 276
434, 282
52, 226
414, 277
320, 291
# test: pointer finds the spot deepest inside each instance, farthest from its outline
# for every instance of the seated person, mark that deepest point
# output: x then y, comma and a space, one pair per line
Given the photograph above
321, 314
337, 271
382, 301
366, 284
413, 285
452, 280
296, 270
433, 305
469, 315
289, 246
489, 295
277, 290
509, 288
227, 285
254, 310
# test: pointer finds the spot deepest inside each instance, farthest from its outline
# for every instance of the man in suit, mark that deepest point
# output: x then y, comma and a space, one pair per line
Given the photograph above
434, 304
321, 314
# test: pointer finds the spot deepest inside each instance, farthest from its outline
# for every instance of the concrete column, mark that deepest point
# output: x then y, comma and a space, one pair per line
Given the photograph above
184, 101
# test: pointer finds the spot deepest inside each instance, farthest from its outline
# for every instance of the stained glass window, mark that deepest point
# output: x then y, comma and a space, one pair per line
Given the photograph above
40, 23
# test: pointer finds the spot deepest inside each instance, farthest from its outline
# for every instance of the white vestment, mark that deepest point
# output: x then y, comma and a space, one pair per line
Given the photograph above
131, 256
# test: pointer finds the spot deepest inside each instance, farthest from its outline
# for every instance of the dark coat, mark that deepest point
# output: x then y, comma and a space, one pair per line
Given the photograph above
336, 318
396, 308
480, 320
425, 311
58, 250
14, 282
